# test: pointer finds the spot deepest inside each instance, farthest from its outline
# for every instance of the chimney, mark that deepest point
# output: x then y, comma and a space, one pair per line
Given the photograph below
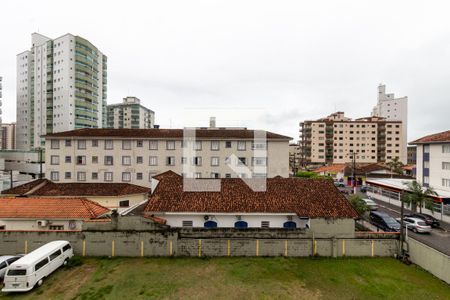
212, 122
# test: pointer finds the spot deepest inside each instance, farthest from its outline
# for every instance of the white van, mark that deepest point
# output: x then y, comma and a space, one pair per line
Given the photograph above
30, 270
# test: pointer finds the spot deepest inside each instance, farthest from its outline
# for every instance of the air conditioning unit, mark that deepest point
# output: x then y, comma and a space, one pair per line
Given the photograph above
42, 223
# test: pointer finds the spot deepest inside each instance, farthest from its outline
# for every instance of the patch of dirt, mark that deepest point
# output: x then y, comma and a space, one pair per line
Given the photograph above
69, 281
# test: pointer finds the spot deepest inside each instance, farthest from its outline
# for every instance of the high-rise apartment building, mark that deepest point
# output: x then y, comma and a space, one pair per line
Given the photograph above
337, 139
393, 109
8, 136
130, 114
61, 85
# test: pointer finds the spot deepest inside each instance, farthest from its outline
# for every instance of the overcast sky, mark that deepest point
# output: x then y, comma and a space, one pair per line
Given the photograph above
259, 64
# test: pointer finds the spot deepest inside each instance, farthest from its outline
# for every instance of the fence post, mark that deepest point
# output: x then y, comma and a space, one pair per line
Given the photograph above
228, 248
286, 248
84, 248
199, 248
112, 248
142, 248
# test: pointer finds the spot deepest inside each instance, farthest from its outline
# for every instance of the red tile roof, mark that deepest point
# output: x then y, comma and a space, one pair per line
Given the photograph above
77, 189
164, 133
312, 198
434, 138
42, 208
335, 168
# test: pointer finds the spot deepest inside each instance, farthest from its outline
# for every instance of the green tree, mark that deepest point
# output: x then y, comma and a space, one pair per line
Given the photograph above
306, 174
396, 165
418, 196
358, 204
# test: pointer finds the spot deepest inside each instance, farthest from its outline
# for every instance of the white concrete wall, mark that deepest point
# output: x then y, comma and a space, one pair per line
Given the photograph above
31, 224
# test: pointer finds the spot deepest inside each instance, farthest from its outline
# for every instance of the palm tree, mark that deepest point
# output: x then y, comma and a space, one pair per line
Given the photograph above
396, 165
417, 196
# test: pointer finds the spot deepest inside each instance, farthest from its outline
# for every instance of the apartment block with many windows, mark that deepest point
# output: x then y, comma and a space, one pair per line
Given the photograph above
130, 114
135, 155
433, 161
337, 139
61, 85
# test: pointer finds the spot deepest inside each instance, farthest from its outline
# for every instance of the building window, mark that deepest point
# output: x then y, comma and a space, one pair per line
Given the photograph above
198, 175
81, 176
242, 161
94, 143
126, 160
227, 175
259, 161
198, 145
170, 145
240, 225
150, 175
445, 165
54, 175
139, 160
241, 145
227, 144
126, 176
426, 148
109, 145
124, 203
215, 175
126, 145
215, 161
197, 161
187, 223
139, 143
445, 182
215, 145
259, 146
426, 164
81, 160
265, 224
139, 176
109, 161
108, 176
67, 175
68, 159
54, 159
426, 180
68, 143
153, 145
183, 160
95, 159
94, 175
153, 160
170, 160
54, 144
81, 144
446, 148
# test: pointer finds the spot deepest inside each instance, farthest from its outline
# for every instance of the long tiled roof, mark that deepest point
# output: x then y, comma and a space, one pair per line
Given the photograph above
440, 137
76, 189
164, 133
305, 197
332, 168
41, 208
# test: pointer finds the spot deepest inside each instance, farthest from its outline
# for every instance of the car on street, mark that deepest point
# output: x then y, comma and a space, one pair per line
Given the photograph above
384, 221
339, 184
416, 225
363, 189
370, 203
5, 262
430, 220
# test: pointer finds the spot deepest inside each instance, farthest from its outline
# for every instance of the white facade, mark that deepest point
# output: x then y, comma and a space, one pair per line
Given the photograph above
393, 109
228, 220
34, 224
433, 165
52, 80
136, 160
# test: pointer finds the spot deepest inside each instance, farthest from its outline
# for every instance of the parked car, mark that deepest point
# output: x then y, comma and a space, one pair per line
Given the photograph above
371, 204
339, 184
344, 191
384, 221
5, 262
430, 220
363, 189
30, 270
417, 225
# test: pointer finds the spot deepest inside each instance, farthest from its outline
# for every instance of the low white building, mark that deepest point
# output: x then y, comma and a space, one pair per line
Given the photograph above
231, 203
43, 214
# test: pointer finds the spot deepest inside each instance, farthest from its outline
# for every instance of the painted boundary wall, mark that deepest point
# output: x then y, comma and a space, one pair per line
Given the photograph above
168, 243
435, 262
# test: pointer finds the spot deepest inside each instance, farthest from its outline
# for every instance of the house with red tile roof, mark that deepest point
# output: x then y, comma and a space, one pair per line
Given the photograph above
31, 214
120, 196
234, 203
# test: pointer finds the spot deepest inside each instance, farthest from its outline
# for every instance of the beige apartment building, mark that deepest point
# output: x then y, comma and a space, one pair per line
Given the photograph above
337, 139
136, 155
8, 136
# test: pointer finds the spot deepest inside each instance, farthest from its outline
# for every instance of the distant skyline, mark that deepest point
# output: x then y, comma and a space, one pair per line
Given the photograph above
260, 64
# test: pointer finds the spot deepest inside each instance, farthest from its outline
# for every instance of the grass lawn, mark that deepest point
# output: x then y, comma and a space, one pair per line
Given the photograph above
239, 278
